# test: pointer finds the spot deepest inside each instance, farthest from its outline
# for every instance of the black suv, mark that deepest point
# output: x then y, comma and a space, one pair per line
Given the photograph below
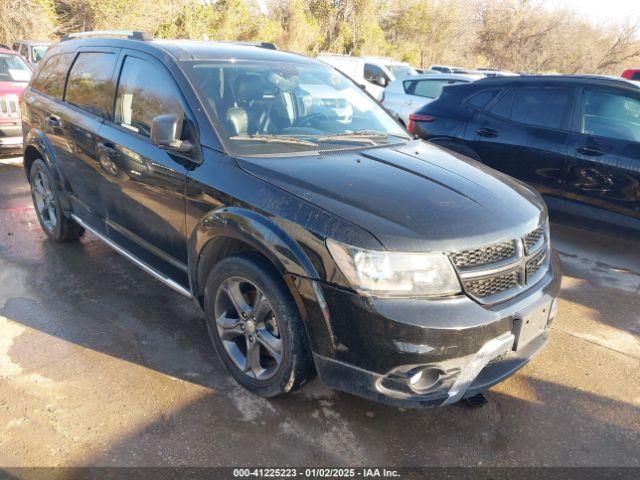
575, 138
313, 232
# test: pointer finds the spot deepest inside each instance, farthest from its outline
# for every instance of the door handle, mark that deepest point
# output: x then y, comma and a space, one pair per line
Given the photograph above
107, 148
487, 132
590, 151
54, 121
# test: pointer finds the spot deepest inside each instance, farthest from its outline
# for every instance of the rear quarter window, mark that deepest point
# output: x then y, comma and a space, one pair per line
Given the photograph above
53, 75
90, 85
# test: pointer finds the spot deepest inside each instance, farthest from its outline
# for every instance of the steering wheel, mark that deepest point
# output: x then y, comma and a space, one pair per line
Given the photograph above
307, 119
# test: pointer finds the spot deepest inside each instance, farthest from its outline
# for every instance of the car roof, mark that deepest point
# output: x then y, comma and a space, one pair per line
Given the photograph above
9, 51
33, 42
576, 80
185, 50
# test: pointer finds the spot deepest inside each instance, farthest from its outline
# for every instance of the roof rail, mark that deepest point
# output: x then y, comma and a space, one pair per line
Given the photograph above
267, 45
131, 35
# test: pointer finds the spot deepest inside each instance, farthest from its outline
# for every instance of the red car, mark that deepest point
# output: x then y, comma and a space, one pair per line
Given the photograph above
632, 74
14, 76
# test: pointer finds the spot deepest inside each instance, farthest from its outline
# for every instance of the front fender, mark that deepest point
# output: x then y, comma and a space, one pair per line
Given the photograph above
286, 255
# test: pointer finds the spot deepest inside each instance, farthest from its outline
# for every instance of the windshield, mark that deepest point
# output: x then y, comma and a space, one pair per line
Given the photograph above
278, 108
13, 69
400, 71
38, 52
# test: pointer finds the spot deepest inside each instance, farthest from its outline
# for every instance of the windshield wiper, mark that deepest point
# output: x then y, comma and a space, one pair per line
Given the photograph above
370, 135
275, 139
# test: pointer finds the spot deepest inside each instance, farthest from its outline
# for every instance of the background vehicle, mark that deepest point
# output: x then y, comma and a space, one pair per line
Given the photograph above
313, 242
575, 138
405, 95
32, 51
372, 73
632, 74
14, 75
490, 72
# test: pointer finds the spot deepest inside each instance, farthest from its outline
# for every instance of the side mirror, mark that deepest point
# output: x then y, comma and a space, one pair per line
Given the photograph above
382, 81
165, 133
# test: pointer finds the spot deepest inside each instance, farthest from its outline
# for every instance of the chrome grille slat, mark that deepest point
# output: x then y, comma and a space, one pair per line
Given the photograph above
488, 286
9, 107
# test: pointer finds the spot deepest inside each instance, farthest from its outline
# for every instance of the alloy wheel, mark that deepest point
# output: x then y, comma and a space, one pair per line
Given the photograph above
248, 328
45, 201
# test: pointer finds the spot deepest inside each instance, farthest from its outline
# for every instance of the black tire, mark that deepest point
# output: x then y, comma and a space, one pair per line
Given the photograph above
296, 363
53, 221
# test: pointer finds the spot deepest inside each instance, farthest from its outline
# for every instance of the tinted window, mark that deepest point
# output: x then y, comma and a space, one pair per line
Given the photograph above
635, 76
373, 72
427, 88
144, 91
481, 99
540, 106
611, 115
53, 74
90, 86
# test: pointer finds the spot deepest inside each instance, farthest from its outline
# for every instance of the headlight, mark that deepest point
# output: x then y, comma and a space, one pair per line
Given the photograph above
395, 273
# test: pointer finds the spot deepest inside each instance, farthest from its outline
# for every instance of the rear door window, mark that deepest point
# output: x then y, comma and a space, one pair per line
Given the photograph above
546, 107
53, 75
144, 91
90, 85
611, 115
481, 99
373, 73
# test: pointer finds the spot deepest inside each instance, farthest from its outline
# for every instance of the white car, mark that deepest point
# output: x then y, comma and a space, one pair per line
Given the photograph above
406, 95
371, 73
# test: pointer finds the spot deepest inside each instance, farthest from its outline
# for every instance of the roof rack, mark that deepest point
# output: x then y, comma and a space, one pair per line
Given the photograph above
131, 35
267, 45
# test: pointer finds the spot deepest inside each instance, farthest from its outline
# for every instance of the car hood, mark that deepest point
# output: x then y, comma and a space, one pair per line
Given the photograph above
411, 197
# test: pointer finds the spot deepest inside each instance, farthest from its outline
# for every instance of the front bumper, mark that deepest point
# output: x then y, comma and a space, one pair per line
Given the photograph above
10, 137
464, 347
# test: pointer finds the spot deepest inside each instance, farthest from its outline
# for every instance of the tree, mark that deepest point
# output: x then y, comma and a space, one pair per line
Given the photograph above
26, 19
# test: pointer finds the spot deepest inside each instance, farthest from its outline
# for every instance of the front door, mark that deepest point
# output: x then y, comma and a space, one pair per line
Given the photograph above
144, 187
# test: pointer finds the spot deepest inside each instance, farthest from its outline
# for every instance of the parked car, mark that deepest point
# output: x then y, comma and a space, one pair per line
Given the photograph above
371, 73
491, 72
31, 51
394, 269
632, 74
406, 95
575, 138
14, 75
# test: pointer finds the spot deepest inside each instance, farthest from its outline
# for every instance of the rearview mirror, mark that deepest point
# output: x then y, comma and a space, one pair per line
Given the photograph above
166, 131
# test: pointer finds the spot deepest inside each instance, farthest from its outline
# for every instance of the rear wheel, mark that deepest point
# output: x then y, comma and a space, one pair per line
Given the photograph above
255, 326
46, 201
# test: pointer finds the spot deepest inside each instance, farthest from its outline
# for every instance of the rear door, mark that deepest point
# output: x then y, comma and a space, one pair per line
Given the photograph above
88, 99
524, 133
605, 168
144, 187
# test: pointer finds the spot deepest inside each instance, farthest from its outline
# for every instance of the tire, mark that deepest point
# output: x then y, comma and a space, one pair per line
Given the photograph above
46, 202
269, 378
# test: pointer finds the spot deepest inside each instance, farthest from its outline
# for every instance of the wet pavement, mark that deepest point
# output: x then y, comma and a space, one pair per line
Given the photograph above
100, 364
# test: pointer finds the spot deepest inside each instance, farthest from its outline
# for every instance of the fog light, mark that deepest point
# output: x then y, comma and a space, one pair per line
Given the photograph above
424, 379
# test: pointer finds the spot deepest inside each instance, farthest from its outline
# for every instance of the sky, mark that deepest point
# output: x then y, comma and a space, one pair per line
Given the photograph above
601, 11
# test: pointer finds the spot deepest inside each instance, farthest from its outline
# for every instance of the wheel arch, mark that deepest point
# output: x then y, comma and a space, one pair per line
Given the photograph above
227, 231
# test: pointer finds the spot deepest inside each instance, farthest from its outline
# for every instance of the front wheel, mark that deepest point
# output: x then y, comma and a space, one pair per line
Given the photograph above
255, 326
46, 201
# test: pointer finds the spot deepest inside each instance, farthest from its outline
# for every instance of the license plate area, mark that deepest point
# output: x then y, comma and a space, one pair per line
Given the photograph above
530, 323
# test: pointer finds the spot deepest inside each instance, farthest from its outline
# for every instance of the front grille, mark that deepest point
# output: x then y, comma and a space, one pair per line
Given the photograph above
533, 239
488, 286
10, 107
494, 273
535, 264
484, 255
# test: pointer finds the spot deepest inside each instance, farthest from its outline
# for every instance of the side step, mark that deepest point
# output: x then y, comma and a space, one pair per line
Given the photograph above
144, 266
